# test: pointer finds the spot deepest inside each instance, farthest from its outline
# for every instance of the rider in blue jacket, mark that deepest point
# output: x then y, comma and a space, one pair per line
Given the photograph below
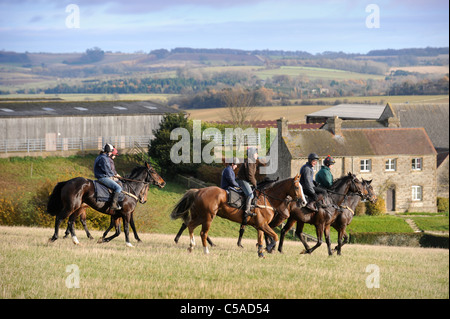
105, 175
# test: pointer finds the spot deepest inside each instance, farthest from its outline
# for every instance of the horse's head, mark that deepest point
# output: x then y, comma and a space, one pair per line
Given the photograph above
356, 186
371, 196
143, 194
296, 190
153, 176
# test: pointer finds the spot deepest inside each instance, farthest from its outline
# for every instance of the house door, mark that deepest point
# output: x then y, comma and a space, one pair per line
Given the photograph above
390, 199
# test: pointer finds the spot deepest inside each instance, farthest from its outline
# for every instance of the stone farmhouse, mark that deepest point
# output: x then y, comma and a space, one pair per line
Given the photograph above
400, 161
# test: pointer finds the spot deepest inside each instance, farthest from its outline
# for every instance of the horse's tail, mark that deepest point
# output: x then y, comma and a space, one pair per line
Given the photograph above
182, 208
55, 203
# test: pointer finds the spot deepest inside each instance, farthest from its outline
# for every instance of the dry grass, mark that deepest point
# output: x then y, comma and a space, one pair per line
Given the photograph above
157, 268
295, 114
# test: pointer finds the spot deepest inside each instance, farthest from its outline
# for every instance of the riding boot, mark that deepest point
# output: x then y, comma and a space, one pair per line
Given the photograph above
247, 211
311, 206
115, 202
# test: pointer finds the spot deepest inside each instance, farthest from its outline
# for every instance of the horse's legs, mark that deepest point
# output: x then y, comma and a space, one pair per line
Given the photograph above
58, 221
115, 222
191, 237
83, 222
241, 234
71, 227
133, 227
290, 222
342, 234
204, 235
182, 228
319, 232
126, 230
265, 229
327, 239
299, 233
260, 246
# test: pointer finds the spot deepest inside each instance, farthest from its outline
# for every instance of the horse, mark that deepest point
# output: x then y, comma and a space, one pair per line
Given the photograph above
348, 207
68, 197
81, 212
200, 206
261, 185
324, 217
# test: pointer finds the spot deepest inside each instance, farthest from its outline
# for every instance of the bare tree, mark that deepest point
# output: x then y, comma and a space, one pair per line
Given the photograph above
240, 106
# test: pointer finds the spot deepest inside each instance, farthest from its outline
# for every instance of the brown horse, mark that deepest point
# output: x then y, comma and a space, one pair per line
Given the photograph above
324, 217
200, 206
115, 222
68, 197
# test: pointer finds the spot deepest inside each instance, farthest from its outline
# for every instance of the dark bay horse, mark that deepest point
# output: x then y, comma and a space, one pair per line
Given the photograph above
200, 206
115, 222
348, 207
324, 217
69, 196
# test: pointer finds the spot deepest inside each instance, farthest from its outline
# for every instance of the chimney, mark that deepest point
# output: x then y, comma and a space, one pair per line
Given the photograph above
334, 125
282, 126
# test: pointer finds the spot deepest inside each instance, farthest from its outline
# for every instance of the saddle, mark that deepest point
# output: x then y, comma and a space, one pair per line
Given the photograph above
105, 194
236, 198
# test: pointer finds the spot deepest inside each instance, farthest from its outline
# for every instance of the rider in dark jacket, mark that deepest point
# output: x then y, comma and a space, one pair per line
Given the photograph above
307, 181
228, 175
105, 174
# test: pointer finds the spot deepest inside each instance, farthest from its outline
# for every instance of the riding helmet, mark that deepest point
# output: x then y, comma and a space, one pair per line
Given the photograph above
329, 161
108, 148
313, 156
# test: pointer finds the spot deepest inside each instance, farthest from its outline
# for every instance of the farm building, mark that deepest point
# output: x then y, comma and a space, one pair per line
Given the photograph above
65, 126
400, 161
434, 118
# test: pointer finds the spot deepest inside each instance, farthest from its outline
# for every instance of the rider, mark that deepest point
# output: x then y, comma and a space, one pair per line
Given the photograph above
104, 173
307, 182
228, 175
246, 178
324, 177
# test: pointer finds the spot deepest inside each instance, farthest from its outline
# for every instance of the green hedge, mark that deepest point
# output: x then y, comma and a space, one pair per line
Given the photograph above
400, 239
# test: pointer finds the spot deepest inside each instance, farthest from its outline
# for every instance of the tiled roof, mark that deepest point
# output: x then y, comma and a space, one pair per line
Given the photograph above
360, 142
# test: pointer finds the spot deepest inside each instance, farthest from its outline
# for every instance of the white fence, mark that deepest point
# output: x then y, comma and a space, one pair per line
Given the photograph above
53, 143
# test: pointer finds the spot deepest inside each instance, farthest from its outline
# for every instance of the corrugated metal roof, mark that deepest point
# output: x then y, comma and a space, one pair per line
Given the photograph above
360, 142
351, 111
97, 108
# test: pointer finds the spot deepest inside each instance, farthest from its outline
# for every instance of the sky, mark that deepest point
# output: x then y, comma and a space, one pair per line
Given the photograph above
351, 26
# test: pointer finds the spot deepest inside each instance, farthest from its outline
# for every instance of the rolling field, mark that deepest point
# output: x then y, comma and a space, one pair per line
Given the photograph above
157, 268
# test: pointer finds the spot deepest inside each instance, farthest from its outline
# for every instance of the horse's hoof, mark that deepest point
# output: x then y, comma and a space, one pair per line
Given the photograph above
261, 255
303, 252
240, 245
129, 245
100, 240
51, 240
190, 249
75, 240
91, 238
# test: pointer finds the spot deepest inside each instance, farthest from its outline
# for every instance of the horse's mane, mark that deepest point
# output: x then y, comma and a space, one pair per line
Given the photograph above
135, 172
339, 181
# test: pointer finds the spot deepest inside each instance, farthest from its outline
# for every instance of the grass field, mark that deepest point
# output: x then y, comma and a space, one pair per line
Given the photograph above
157, 268
297, 113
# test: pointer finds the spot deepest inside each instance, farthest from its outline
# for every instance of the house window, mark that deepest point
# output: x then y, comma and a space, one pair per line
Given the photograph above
417, 193
416, 164
366, 165
391, 165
